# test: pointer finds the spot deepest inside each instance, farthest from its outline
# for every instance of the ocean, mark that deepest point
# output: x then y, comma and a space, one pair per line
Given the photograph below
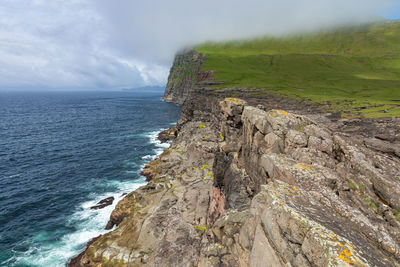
60, 154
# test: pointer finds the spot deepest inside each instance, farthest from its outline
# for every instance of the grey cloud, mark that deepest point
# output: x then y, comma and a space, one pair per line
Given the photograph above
126, 43
155, 29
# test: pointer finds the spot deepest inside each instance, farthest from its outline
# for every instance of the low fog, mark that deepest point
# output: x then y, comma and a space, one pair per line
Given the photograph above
156, 29
127, 43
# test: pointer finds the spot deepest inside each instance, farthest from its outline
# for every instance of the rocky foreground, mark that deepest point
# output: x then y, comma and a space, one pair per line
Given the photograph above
254, 181
247, 186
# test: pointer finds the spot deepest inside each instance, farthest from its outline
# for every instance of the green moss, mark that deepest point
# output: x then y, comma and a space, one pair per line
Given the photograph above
354, 70
351, 185
361, 186
370, 203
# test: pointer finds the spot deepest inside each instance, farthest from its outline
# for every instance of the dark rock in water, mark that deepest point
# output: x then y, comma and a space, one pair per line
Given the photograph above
247, 186
103, 203
167, 135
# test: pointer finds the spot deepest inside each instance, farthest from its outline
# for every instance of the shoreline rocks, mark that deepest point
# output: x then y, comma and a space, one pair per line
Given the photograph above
168, 135
258, 182
103, 203
243, 186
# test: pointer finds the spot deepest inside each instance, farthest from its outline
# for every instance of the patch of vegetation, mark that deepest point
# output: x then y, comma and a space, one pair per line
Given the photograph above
370, 203
355, 70
351, 185
361, 186
396, 214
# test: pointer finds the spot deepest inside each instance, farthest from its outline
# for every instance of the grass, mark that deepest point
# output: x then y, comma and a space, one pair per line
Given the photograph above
355, 70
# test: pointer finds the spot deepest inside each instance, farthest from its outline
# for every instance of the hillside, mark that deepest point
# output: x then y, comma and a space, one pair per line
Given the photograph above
260, 171
355, 70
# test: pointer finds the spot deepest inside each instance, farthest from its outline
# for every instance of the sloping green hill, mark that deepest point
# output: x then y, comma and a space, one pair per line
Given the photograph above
352, 69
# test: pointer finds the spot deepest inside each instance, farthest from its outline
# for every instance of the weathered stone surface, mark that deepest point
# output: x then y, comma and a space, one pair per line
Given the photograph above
168, 134
242, 186
296, 139
258, 118
383, 146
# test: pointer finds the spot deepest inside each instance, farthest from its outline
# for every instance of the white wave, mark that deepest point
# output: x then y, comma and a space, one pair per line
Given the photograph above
89, 223
147, 157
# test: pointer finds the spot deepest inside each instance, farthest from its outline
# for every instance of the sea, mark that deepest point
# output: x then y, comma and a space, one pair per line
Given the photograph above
63, 152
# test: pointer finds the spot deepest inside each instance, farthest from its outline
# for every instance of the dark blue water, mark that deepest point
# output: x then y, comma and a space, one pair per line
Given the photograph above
61, 153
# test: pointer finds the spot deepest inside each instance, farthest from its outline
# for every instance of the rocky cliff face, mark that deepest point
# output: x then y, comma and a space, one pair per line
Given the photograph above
183, 77
246, 185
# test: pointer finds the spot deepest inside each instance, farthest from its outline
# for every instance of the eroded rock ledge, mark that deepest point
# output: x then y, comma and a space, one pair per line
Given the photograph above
244, 186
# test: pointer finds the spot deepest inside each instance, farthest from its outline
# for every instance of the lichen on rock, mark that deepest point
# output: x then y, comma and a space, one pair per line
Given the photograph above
279, 189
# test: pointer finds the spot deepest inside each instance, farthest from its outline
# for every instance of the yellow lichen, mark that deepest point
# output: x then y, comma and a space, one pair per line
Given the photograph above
282, 112
346, 256
236, 101
203, 167
303, 166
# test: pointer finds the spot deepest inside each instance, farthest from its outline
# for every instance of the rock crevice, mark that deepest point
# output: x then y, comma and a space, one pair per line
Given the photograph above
242, 186
246, 184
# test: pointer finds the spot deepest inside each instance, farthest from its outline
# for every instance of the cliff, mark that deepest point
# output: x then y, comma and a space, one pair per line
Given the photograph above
256, 179
183, 77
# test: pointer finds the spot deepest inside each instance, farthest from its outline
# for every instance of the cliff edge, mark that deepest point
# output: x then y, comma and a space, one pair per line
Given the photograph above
183, 76
245, 183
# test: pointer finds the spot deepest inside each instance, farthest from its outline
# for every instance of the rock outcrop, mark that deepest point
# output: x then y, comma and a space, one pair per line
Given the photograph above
245, 183
167, 135
103, 203
183, 76
250, 186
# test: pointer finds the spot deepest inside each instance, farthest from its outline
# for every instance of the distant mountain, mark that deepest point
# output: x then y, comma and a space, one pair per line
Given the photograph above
146, 89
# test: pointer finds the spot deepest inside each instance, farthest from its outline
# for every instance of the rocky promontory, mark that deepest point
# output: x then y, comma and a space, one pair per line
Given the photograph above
259, 182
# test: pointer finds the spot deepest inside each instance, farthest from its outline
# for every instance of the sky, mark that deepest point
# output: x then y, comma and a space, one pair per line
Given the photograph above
103, 44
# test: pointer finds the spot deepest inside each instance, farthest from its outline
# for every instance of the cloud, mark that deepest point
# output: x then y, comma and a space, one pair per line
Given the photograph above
63, 44
127, 43
156, 28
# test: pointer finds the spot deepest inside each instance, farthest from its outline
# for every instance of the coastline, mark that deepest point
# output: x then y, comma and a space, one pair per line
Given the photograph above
248, 181
161, 146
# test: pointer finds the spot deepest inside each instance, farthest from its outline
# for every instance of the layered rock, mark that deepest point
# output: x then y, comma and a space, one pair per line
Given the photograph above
183, 76
248, 186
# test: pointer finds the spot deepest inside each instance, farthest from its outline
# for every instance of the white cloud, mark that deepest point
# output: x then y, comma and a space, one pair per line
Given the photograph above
155, 29
63, 44
126, 43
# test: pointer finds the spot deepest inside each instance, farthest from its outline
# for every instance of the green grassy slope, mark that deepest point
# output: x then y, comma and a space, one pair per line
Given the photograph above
356, 70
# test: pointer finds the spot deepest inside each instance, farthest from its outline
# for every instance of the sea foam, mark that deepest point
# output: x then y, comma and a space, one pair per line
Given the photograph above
87, 222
